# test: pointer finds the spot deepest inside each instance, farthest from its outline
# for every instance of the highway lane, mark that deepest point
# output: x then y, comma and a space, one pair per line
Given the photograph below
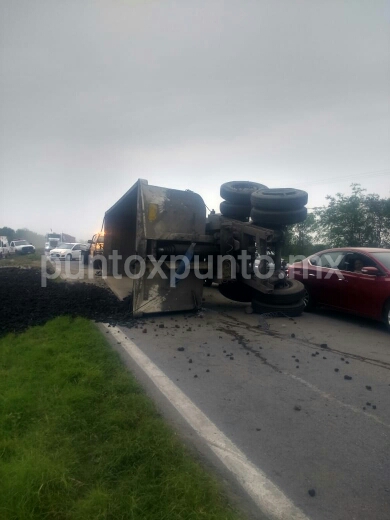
306, 400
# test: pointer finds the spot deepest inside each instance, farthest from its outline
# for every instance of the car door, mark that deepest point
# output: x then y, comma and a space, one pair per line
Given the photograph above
76, 252
360, 293
323, 277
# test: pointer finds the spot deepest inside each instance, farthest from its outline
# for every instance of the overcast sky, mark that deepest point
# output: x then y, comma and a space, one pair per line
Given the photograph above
187, 94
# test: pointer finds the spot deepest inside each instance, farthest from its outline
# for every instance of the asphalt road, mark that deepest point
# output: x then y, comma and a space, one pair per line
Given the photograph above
311, 417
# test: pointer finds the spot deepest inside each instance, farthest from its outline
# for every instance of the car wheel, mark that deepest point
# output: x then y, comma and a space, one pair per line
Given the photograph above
284, 199
290, 310
236, 211
386, 315
266, 218
292, 292
239, 192
308, 301
69, 258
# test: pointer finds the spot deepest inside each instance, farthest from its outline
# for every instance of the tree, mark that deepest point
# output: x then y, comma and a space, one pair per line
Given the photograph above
348, 220
357, 220
299, 238
7, 232
37, 240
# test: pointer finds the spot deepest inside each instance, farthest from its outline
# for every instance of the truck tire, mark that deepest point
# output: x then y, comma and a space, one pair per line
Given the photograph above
290, 310
236, 291
236, 211
284, 199
292, 292
268, 218
239, 192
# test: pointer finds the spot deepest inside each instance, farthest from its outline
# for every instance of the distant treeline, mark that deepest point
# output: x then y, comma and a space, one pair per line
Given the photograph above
36, 240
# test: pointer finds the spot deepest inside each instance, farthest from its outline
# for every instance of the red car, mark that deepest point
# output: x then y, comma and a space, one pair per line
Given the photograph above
351, 279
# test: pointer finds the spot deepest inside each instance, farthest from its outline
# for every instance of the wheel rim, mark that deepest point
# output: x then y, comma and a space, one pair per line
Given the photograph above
306, 298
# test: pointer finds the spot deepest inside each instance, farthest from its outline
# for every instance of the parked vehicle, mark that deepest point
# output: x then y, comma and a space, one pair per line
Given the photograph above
21, 247
353, 280
96, 248
4, 247
52, 240
68, 251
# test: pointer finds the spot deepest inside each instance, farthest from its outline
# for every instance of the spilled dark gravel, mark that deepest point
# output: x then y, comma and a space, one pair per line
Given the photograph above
24, 303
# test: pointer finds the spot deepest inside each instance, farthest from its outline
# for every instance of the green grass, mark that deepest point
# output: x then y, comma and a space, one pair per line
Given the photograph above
79, 439
32, 260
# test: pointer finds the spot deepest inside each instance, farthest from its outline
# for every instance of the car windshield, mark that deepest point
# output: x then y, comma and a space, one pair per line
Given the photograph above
383, 257
21, 243
66, 246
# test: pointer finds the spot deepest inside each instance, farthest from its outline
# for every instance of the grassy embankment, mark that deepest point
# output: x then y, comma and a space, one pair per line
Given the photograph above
80, 440
31, 260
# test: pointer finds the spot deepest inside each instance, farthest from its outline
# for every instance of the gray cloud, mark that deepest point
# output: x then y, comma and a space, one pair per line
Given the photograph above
188, 95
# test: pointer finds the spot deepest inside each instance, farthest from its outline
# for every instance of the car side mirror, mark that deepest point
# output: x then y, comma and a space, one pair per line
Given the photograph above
370, 270
313, 261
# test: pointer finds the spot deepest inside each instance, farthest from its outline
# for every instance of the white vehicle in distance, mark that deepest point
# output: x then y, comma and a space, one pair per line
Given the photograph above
21, 247
69, 251
4, 247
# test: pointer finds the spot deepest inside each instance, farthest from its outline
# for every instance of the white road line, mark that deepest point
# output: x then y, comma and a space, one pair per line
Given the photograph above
268, 497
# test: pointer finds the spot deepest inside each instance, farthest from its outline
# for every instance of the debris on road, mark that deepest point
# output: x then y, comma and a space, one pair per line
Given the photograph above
25, 303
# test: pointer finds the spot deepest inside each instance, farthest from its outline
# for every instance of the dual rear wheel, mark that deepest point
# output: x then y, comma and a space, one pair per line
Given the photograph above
237, 195
269, 208
266, 207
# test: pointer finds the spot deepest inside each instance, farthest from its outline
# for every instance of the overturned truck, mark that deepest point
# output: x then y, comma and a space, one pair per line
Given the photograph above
161, 249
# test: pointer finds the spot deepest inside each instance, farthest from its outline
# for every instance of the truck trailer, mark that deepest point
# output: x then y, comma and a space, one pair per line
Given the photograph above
160, 247
53, 239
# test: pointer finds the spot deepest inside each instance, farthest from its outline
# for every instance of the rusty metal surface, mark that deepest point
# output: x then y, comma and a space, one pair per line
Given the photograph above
149, 220
134, 225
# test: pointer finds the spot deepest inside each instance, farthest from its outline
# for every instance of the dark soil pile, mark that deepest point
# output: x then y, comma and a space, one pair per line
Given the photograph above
24, 303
